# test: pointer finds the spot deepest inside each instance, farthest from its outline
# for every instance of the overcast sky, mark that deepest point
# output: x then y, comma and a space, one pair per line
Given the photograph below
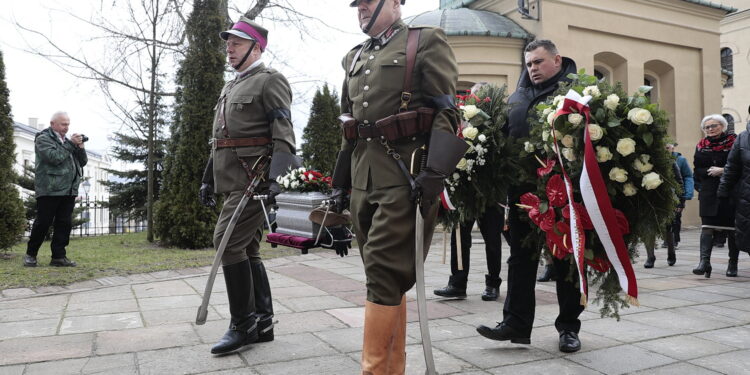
38, 88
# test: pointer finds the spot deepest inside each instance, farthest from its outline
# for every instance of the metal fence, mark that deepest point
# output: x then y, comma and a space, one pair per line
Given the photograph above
99, 221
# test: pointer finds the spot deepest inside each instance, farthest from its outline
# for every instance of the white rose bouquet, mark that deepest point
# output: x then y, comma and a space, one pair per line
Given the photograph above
628, 135
481, 176
305, 180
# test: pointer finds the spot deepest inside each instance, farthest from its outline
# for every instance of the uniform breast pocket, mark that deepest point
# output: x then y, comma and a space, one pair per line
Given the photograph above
392, 73
241, 103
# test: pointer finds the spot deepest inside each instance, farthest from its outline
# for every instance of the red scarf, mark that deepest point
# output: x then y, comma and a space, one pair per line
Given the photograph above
722, 142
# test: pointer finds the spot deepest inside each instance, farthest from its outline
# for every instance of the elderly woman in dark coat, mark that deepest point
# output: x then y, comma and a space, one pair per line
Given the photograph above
716, 214
735, 184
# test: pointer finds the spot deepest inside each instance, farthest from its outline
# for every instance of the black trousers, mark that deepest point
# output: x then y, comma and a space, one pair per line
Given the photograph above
490, 225
56, 211
520, 301
676, 226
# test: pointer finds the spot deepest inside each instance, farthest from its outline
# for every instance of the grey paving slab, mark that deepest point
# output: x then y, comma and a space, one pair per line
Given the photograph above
677, 369
446, 363
442, 329
620, 359
627, 331
311, 321
548, 339
185, 360
557, 366
740, 304
119, 364
101, 307
94, 323
732, 363
18, 292
103, 294
142, 339
113, 280
336, 364
170, 302
89, 284
28, 328
738, 337
297, 291
344, 340
54, 303
12, 370
171, 316
684, 319
38, 349
684, 347
484, 353
163, 289
30, 313
696, 296
287, 348
661, 302
315, 303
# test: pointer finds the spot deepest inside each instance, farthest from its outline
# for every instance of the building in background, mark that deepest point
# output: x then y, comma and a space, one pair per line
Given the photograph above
735, 65
672, 45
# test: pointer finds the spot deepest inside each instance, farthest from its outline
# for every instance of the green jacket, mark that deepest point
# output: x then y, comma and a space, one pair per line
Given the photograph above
59, 166
251, 104
372, 90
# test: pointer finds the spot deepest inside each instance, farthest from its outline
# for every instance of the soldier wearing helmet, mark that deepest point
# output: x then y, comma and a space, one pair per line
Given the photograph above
393, 108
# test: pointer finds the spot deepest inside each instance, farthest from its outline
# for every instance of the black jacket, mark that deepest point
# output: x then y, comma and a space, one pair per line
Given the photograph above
708, 185
735, 183
528, 95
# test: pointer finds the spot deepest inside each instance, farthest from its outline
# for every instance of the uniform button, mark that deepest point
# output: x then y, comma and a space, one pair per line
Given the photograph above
367, 122
367, 71
367, 88
365, 104
372, 57
377, 48
395, 61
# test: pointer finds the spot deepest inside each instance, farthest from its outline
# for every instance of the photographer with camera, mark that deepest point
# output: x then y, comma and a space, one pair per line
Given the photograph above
59, 170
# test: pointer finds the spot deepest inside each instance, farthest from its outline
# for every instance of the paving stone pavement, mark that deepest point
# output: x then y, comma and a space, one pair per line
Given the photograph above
144, 324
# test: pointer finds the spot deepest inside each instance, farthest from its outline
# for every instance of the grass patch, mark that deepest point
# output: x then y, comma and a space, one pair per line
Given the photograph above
115, 255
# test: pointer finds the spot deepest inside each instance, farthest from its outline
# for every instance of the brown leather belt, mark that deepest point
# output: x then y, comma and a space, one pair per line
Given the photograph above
240, 142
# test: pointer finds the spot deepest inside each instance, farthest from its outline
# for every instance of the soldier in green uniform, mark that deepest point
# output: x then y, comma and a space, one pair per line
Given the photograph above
252, 120
390, 110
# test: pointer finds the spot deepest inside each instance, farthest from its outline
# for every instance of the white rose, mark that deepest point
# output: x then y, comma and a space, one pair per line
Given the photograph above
642, 165
528, 146
286, 184
280, 179
558, 134
651, 181
575, 118
568, 140
547, 111
470, 149
462, 164
640, 116
592, 90
456, 176
558, 101
301, 169
294, 184
470, 111
603, 154
470, 132
626, 146
618, 174
303, 177
569, 154
612, 101
629, 190
545, 135
551, 117
595, 132
482, 138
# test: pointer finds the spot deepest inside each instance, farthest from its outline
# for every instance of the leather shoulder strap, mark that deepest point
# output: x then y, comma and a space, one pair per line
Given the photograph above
412, 42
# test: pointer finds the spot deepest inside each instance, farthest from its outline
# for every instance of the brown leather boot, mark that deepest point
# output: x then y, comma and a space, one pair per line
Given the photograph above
381, 326
397, 361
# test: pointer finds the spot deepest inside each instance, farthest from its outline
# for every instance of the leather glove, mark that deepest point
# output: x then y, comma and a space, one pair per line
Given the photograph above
429, 185
340, 200
341, 247
273, 190
206, 195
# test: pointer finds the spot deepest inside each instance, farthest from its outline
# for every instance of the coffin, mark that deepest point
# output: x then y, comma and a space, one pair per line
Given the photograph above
292, 217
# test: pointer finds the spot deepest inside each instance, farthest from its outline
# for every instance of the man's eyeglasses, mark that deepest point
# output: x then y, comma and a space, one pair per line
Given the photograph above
710, 126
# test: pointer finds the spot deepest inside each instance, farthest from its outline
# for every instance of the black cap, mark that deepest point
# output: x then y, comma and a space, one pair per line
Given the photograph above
356, 2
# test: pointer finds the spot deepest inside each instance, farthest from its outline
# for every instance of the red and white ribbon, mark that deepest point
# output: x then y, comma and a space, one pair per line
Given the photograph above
599, 206
445, 200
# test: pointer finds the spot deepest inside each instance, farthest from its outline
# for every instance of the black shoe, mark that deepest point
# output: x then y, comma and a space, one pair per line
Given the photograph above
649, 263
237, 336
732, 268
243, 327
62, 262
549, 274
490, 294
29, 261
503, 332
451, 292
263, 302
569, 342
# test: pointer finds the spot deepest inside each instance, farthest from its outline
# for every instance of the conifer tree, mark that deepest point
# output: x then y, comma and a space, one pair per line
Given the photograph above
12, 220
180, 218
322, 135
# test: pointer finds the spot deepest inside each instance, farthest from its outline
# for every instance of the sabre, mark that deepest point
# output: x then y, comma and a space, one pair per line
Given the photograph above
257, 176
424, 324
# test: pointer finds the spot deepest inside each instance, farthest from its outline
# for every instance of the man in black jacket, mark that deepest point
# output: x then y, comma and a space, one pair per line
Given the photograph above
544, 70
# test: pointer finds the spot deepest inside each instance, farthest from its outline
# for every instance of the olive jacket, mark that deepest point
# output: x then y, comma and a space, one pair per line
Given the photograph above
59, 165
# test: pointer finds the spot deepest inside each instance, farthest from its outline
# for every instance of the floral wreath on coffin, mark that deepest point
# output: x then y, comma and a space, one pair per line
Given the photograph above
605, 152
305, 180
480, 178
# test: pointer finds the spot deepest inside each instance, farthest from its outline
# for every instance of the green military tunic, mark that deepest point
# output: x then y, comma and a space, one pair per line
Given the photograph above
382, 212
246, 109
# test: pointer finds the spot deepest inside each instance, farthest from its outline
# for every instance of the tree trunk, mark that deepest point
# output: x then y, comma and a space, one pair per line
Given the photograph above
151, 130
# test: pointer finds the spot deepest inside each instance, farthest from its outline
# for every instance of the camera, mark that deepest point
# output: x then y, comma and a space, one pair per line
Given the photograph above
84, 138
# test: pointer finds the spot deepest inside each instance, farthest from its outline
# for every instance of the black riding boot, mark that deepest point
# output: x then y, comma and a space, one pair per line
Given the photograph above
243, 327
734, 253
263, 302
650, 258
671, 256
706, 245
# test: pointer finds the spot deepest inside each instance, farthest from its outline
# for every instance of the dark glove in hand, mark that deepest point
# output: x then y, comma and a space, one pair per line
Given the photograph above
429, 186
206, 195
340, 200
339, 244
273, 190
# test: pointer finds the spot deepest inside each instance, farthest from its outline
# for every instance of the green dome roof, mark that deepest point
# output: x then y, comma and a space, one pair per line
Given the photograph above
470, 22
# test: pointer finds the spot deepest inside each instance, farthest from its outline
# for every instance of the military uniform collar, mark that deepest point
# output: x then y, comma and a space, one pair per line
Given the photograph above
252, 69
387, 35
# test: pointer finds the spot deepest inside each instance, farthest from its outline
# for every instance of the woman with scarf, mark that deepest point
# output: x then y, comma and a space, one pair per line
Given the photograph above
717, 214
